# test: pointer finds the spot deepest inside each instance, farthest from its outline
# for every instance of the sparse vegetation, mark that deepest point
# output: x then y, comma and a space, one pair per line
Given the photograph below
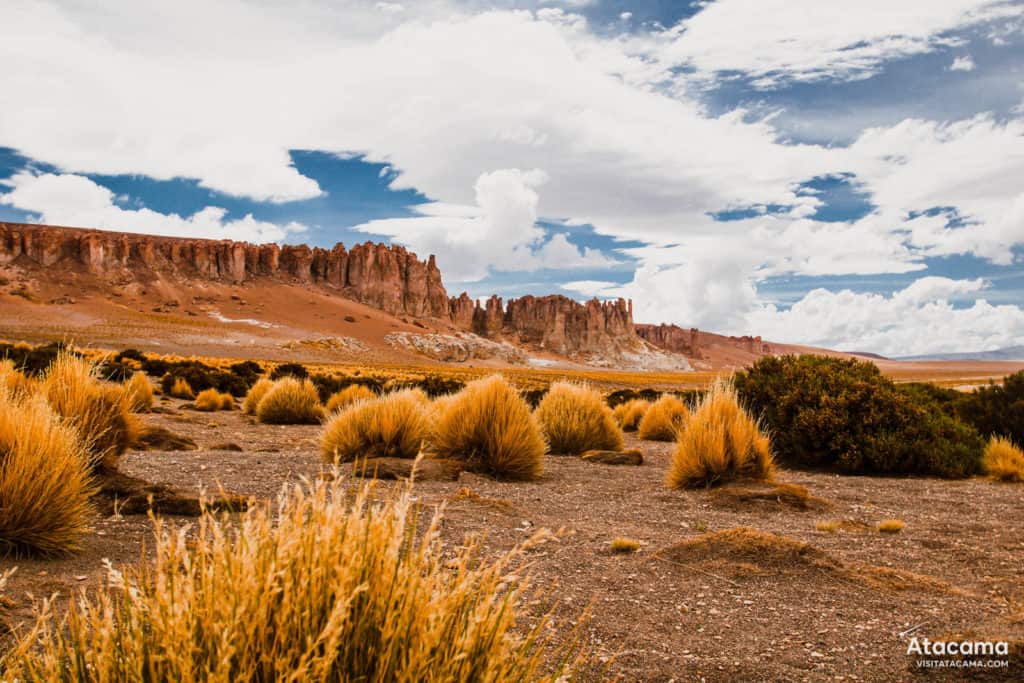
1003, 460
349, 395
629, 414
101, 413
139, 392
491, 428
290, 401
662, 420
316, 590
45, 481
210, 400
844, 415
890, 526
574, 419
720, 442
624, 545
289, 370
394, 425
179, 388
255, 395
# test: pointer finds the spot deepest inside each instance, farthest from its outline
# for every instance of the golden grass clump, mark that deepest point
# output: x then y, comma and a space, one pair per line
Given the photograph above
255, 394
139, 392
890, 526
101, 413
45, 479
318, 589
349, 395
290, 401
720, 442
489, 426
394, 426
182, 389
1003, 460
575, 418
624, 545
663, 419
14, 381
629, 414
210, 400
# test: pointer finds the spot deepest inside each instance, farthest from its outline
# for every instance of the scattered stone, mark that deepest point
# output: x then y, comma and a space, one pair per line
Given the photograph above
125, 495
630, 457
425, 469
227, 446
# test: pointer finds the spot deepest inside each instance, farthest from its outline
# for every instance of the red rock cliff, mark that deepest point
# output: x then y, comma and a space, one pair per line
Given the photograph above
691, 342
553, 323
386, 277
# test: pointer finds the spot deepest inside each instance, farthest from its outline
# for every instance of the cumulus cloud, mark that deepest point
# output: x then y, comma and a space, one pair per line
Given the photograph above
917, 320
965, 63
499, 232
760, 38
74, 200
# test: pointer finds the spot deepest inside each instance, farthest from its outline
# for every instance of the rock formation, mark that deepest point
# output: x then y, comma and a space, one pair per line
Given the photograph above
386, 277
692, 342
553, 323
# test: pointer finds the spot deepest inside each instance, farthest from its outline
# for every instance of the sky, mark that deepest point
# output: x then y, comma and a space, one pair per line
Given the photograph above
848, 175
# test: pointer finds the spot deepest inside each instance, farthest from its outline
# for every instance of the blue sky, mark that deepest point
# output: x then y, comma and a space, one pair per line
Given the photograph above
845, 176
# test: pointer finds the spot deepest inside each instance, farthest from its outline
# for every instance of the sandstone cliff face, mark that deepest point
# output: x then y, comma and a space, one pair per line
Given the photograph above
553, 323
387, 277
692, 342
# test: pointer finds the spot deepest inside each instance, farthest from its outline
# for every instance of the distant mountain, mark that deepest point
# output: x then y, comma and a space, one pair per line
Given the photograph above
1008, 353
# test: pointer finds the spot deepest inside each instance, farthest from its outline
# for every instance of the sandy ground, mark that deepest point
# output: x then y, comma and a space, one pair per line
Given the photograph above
713, 612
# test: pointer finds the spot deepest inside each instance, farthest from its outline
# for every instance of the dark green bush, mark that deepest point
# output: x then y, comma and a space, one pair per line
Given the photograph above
201, 376
625, 395
432, 385
996, 409
843, 415
533, 397
33, 360
328, 385
289, 370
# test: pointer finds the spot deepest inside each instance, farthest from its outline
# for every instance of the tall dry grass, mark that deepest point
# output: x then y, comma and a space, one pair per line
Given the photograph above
255, 394
1003, 460
662, 421
290, 401
316, 590
14, 381
101, 413
720, 442
210, 400
490, 427
394, 425
629, 414
574, 418
182, 389
139, 392
45, 479
348, 396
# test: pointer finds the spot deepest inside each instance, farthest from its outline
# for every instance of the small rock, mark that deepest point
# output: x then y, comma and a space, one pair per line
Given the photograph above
630, 457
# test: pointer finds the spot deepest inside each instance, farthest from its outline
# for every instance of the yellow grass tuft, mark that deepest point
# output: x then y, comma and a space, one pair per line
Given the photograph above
101, 413
290, 401
139, 392
489, 426
1003, 460
15, 381
575, 418
624, 545
349, 395
394, 426
720, 442
182, 389
629, 414
45, 479
210, 400
663, 419
829, 526
890, 526
318, 589
255, 394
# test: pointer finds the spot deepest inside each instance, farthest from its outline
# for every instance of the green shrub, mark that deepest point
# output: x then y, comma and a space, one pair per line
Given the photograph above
844, 415
329, 385
997, 409
620, 396
289, 370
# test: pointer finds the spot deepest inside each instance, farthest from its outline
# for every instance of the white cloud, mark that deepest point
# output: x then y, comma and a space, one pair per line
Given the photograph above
498, 233
965, 63
917, 320
75, 200
775, 41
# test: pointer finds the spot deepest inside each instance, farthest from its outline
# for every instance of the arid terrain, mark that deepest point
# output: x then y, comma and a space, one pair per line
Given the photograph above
822, 606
